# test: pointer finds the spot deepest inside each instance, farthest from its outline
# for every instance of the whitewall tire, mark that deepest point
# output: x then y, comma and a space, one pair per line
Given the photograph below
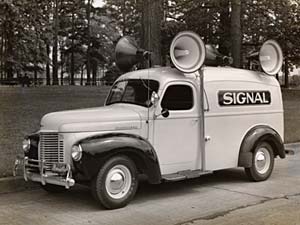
262, 162
116, 182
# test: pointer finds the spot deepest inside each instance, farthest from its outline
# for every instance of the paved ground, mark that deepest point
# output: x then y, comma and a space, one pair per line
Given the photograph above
225, 197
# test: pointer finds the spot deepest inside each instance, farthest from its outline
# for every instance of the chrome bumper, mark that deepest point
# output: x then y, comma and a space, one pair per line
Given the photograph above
44, 176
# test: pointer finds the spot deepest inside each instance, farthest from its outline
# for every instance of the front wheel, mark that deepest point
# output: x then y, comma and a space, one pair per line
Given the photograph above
116, 182
262, 162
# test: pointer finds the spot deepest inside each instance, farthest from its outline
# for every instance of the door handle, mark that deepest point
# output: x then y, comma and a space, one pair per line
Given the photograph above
195, 120
207, 138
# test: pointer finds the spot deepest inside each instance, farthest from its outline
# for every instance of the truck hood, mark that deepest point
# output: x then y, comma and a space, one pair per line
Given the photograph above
113, 117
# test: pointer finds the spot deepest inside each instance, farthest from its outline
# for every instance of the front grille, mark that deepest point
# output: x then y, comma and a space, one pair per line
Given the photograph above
51, 149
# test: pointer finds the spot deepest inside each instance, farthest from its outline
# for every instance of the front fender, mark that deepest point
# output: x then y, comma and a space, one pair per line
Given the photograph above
97, 149
256, 134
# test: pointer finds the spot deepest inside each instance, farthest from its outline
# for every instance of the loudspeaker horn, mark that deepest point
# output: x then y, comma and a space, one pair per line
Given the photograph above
271, 57
128, 53
187, 52
215, 58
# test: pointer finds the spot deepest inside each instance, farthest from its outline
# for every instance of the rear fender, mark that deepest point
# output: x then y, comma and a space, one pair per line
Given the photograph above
253, 137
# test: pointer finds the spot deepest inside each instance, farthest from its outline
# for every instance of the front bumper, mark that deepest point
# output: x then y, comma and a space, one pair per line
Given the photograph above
35, 170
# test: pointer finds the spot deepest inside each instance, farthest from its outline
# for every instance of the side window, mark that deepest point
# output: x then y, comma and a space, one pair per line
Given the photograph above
178, 97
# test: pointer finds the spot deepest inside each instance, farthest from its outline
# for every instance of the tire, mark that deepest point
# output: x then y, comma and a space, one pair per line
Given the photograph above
51, 188
116, 183
262, 162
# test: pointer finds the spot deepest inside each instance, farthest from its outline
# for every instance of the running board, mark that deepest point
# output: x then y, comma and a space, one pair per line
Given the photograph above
186, 174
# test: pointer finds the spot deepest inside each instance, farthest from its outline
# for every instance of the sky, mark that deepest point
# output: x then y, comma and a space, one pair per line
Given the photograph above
98, 3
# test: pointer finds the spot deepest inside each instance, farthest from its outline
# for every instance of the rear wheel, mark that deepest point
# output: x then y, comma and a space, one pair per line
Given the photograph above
116, 183
262, 162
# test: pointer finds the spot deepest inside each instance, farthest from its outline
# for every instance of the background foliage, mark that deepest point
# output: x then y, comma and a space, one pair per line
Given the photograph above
70, 39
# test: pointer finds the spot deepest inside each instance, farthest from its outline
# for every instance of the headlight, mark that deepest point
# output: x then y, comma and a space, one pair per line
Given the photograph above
26, 145
76, 152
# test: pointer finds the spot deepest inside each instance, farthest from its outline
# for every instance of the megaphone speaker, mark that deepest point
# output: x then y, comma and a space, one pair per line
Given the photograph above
271, 57
127, 53
187, 52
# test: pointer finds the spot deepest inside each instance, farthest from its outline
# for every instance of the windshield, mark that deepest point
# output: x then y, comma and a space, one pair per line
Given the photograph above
133, 91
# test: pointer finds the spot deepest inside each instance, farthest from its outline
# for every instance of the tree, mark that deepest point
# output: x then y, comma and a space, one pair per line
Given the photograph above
224, 28
141, 20
127, 16
55, 43
151, 27
71, 23
88, 60
86, 36
274, 20
236, 33
23, 47
8, 20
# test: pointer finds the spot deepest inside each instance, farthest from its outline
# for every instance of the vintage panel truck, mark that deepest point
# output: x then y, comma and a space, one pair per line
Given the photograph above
166, 123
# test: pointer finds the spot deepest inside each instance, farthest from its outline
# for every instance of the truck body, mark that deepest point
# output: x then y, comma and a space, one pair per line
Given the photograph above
160, 136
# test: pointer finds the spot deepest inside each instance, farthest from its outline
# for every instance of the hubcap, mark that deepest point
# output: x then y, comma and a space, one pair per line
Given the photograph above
118, 181
262, 160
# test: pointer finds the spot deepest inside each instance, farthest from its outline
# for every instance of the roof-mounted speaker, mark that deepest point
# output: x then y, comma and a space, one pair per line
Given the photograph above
187, 52
128, 53
269, 56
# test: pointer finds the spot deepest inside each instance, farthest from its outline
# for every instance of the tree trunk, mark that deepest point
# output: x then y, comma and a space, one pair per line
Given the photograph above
9, 64
152, 16
81, 75
1, 56
72, 50
48, 81
236, 32
88, 60
224, 47
35, 77
9, 49
55, 46
124, 17
61, 67
94, 72
4, 53
286, 73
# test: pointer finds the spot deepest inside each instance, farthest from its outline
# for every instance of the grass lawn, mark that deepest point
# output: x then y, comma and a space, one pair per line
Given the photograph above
22, 108
291, 105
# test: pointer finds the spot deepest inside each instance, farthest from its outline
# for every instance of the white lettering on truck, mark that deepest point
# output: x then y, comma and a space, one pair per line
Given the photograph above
239, 98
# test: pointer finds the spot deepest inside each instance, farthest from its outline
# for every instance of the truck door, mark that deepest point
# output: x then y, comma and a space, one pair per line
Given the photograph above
176, 135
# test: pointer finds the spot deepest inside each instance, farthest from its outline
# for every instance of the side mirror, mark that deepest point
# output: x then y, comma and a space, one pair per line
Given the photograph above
165, 113
154, 98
